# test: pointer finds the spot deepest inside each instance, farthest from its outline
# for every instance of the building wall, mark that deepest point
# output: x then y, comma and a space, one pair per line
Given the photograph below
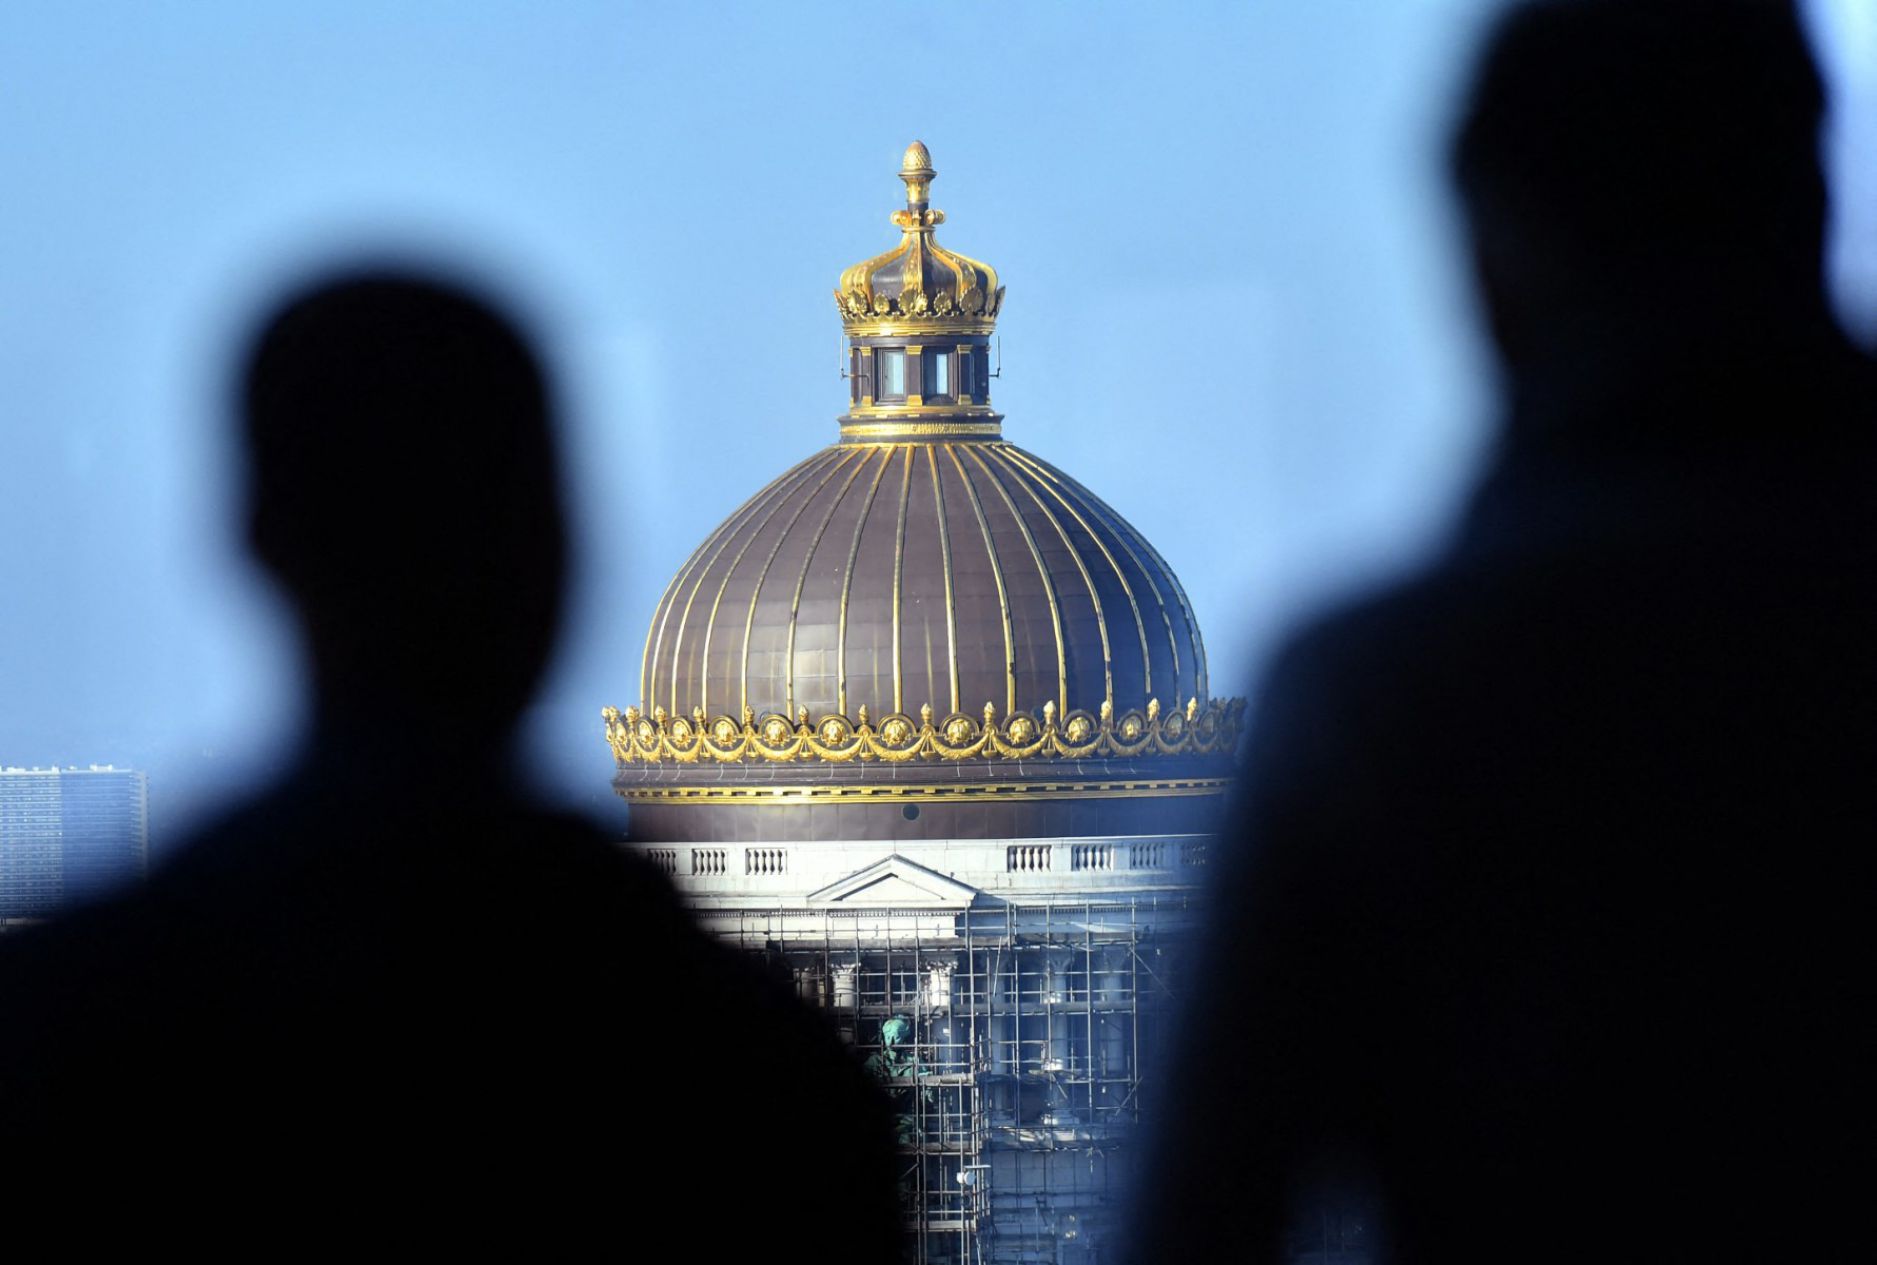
719, 878
68, 835
1014, 998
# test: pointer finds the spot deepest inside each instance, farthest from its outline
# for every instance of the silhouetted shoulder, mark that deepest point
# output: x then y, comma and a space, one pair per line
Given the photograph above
1564, 833
498, 995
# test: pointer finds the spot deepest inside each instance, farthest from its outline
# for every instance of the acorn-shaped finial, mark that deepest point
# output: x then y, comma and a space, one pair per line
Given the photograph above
916, 170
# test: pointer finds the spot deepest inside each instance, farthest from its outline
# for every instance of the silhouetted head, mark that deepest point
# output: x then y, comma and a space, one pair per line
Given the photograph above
404, 490
1633, 169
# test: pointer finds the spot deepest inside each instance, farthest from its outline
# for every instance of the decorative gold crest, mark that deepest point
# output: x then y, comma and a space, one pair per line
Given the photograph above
919, 283
1210, 728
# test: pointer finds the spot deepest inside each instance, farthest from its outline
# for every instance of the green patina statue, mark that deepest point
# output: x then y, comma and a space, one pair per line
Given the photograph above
895, 1063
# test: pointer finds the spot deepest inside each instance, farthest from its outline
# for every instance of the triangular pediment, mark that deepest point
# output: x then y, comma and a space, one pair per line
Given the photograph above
895, 881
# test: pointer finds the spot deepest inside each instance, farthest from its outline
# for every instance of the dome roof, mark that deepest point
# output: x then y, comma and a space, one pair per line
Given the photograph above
919, 596
895, 576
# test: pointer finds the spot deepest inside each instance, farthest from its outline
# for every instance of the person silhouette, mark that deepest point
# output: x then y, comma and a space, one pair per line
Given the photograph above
1546, 914
392, 1000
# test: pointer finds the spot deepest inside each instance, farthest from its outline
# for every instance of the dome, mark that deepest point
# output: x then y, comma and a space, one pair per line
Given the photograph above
897, 576
921, 630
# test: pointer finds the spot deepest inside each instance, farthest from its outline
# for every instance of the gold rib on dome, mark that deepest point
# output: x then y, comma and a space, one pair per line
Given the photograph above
918, 287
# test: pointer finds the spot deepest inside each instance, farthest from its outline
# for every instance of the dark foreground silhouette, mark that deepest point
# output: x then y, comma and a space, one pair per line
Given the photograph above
391, 1003
1547, 934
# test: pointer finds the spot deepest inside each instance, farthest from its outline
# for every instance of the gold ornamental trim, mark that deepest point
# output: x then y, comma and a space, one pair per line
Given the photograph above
906, 325
963, 411
884, 431
782, 796
1196, 729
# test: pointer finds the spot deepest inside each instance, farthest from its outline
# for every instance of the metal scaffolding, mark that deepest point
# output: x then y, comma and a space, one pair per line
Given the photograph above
1018, 1043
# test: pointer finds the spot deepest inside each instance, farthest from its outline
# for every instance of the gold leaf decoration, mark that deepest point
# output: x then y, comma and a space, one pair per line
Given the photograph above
1202, 729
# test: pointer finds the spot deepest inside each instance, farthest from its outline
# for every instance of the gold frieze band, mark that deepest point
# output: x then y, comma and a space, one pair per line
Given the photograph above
886, 432
781, 796
1196, 729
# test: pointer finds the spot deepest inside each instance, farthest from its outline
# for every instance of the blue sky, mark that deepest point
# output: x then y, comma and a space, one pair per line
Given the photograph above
1234, 301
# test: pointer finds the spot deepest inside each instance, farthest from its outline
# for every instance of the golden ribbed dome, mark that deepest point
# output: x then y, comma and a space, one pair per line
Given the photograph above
921, 591
895, 576
919, 286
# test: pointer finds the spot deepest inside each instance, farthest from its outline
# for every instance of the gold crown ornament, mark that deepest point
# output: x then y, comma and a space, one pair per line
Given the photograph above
919, 286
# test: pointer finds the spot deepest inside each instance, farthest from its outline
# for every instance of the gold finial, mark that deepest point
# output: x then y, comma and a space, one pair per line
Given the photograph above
916, 170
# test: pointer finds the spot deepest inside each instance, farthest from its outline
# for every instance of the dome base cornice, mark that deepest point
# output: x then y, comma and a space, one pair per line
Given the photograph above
783, 795
1195, 730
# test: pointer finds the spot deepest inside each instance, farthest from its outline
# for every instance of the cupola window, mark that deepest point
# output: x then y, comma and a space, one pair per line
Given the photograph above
892, 364
938, 373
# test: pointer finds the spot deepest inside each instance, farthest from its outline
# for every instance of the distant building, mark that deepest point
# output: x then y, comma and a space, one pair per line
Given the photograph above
926, 724
69, 834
